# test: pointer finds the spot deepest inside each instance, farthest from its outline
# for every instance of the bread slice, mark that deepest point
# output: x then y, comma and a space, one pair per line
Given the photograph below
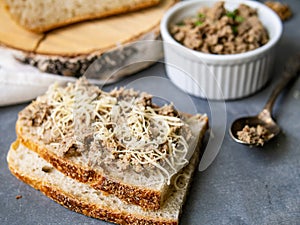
29, 167
144, 186
43, 15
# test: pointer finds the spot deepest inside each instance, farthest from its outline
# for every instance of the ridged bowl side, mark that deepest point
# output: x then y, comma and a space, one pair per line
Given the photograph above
217, 81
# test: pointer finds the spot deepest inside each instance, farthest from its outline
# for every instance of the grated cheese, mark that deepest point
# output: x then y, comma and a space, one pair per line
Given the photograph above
126, 127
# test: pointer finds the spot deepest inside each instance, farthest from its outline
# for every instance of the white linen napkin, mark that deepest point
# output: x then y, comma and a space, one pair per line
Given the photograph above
21, 83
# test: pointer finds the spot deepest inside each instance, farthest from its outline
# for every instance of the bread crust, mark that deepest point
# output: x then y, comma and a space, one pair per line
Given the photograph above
77, 64
96, 15
146, 198
70, 202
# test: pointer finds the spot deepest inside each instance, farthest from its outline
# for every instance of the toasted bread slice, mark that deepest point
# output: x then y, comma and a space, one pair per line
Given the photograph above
29, 167
95, 164
43, 15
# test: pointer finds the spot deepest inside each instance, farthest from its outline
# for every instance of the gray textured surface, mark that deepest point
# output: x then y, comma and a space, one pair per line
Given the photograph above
242, 186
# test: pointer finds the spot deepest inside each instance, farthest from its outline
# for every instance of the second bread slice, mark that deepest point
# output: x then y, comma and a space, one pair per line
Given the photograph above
79, 197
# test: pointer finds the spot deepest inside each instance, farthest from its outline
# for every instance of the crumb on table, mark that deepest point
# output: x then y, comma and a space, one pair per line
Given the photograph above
283, 10
18, 197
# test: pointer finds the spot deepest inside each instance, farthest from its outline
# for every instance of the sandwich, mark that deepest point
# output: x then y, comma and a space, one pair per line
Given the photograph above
113, 155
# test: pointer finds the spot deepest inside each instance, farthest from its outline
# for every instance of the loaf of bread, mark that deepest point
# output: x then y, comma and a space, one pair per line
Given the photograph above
43, 15
117, 142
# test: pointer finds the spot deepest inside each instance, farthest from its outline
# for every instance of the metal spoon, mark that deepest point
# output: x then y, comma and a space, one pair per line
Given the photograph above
264, 118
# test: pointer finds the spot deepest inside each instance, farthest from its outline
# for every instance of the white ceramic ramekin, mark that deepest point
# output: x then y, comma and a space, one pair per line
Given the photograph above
219, 77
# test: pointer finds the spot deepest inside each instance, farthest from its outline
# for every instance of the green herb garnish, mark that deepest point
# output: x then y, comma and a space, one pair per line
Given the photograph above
239, 19
201, 15
231, 14
181, 23
234, 29
198, 23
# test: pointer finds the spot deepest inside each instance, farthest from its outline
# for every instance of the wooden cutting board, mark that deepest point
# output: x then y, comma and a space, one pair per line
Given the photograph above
83, 38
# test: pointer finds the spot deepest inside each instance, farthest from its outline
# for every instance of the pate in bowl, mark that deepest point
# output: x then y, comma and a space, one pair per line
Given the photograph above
215, 67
